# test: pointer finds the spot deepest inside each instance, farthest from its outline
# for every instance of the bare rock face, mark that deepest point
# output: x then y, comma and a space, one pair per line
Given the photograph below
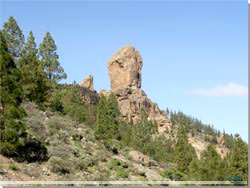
125, 76
88, 93
131, 101
88, 83
125, 68
88, 96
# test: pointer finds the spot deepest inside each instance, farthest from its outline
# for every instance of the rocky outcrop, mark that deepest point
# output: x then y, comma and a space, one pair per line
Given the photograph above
88, 93
138, 156
220, 139
125, 68
200, 145
125, 77
88, 83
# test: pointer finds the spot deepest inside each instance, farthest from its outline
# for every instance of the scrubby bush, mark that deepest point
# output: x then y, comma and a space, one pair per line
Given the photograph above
103, 175
32, 170
81, 164
91, 161
173, 174
114, 163
102, 156
61, 150
60, 166
112, 145
32, 151
120, 167
122, 173
13, 166
84, 163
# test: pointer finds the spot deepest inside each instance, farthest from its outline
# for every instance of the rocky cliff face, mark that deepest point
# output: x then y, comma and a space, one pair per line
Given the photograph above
125, 79
88, 93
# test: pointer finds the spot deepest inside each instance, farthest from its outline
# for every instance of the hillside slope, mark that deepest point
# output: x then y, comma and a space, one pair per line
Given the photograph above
75, 154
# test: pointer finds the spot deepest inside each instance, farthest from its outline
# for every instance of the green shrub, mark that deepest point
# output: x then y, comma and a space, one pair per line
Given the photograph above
54, 102
32, 151
122, 173
77, 136
173, 174
114, 163
60, 166
67, 100
112, 145
81, 164
102, 175
13, 166
179, 176
91, 161
102, 156
85, 163
61, 150
56, 123
142, 174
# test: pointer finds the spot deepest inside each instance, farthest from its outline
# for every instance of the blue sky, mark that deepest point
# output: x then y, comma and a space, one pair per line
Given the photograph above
195, 53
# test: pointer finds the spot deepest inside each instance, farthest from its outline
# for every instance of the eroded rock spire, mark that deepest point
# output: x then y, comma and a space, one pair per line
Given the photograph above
125, 68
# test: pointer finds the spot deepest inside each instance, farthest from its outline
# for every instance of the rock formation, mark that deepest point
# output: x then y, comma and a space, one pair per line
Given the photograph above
125, 77
88, 93
125, 69
220, 139
88, 83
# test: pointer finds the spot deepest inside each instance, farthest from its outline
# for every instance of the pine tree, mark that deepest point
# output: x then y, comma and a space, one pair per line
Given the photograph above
49, 57
113, 117
12, 130
73, 104
167, 113
238, 159
14, 37
101, 118
34, 79
184, 152
142, 133
195, 170
30, 48
210, 167
107, 122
